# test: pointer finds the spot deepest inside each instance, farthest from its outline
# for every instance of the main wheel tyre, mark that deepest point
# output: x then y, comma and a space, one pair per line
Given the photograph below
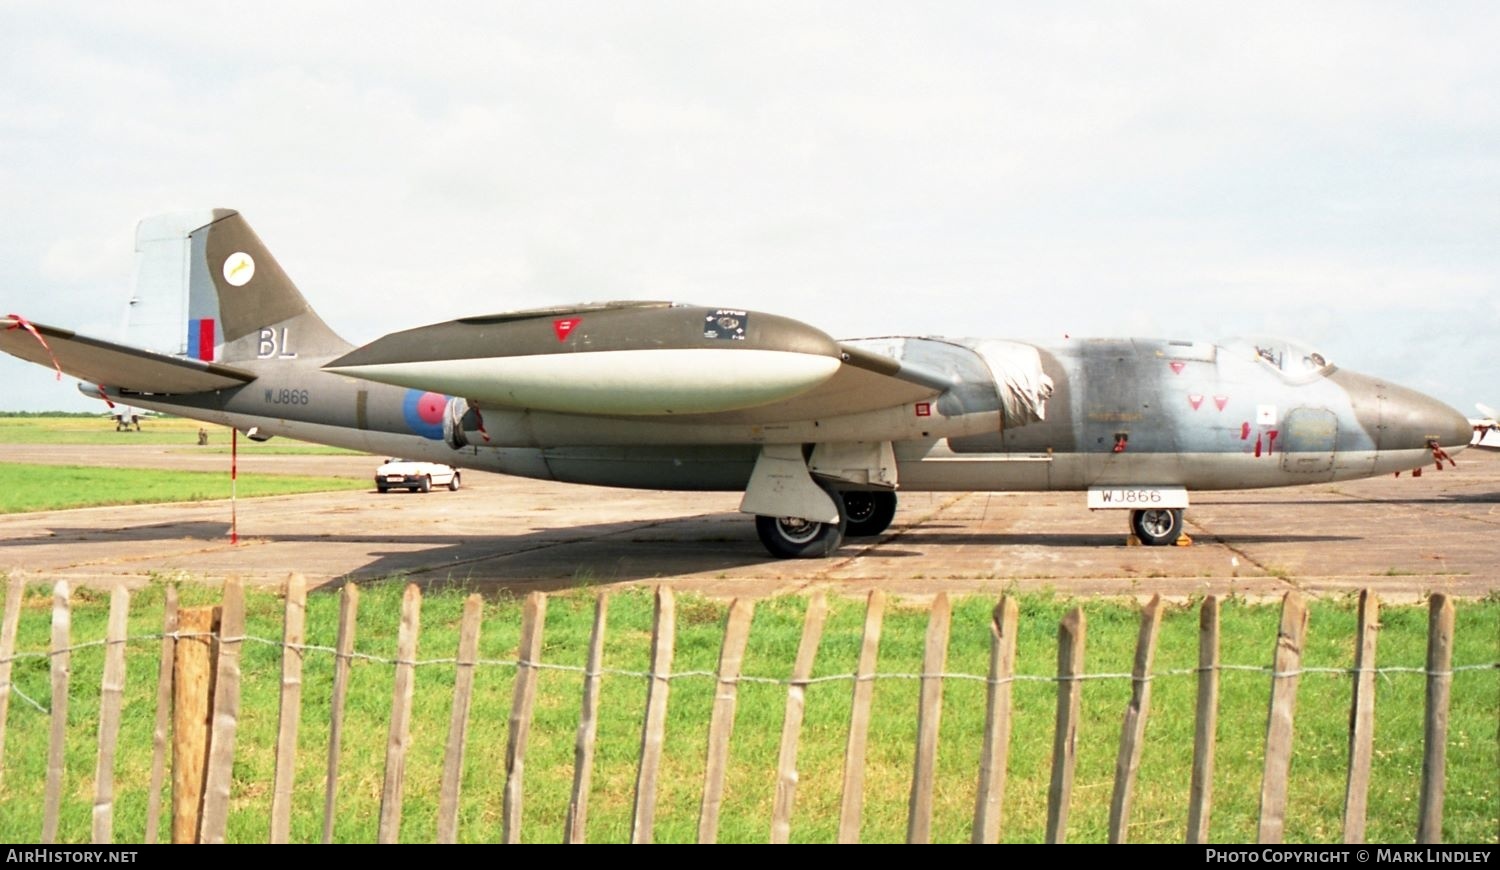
795, 538
426, 485
869, 512
1157, 527
453, 484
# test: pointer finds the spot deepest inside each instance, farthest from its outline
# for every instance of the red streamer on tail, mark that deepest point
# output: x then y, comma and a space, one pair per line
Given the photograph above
23, 323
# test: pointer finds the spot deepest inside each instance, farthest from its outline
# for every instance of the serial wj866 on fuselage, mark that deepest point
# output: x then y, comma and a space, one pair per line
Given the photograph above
819, 434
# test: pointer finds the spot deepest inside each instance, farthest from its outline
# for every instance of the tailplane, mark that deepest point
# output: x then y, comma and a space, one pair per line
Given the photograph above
208, 289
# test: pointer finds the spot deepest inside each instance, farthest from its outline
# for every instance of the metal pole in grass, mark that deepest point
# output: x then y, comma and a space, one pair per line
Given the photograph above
234, 474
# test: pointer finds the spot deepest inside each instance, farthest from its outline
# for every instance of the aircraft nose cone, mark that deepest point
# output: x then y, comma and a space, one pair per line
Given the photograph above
1458, 432
1412, 420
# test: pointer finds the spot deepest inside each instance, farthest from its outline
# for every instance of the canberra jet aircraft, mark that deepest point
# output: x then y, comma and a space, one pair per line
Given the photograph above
819, 434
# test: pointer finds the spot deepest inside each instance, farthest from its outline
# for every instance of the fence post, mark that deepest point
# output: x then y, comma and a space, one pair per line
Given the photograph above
399, 737
62, 620
929, 717
528, 654
226, 714
293, 633
1361, 720
1065, 739
852, 805
111, 693
458, 720
164, 672
348, 611
721, 723
791, 723
588, 728
1133, 732
997, 722
1290, 641
13, 597
1435, 732
192, 706
1205, 722
653, 731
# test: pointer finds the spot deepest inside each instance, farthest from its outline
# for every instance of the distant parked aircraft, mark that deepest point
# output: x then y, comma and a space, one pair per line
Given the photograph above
1486, 428
127, 417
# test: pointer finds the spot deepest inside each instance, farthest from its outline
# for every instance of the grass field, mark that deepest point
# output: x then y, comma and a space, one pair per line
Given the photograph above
1472, 804
26, 488
154, 430
55, 487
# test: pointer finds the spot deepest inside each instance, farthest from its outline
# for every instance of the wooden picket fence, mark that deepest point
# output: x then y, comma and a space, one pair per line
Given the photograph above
198, 687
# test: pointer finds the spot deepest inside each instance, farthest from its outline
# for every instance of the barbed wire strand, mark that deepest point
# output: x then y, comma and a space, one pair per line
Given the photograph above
1385, 671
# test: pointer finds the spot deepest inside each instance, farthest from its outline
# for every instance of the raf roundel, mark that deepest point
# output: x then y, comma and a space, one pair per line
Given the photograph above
424, 413
239, 269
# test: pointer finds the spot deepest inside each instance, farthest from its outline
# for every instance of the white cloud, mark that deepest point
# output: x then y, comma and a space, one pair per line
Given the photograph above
1169, 168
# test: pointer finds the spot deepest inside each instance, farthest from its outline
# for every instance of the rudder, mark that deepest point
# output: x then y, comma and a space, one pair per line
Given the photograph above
209, 289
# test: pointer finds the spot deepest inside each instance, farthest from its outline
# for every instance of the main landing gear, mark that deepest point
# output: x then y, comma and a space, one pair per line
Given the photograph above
862, 514
1157, 527
869, 512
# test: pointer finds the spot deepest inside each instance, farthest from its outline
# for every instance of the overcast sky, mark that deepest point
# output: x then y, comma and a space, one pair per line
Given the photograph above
1324, 171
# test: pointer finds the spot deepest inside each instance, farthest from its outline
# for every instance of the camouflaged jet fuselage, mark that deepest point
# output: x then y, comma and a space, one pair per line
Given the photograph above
820, 434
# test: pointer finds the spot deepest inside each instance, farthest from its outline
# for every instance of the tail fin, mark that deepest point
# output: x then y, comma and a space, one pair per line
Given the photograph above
207, 288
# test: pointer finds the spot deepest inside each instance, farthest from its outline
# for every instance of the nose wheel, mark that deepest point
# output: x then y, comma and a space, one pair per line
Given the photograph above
1157, 527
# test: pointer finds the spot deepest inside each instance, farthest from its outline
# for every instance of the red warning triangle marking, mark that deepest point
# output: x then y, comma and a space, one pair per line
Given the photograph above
1221, 401
1196, 401
1177, 366
565, 326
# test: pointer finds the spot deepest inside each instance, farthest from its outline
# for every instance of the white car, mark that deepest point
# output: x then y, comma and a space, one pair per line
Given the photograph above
415, 476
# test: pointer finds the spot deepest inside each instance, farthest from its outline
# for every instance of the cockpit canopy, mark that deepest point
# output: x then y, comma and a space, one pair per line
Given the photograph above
1291, 358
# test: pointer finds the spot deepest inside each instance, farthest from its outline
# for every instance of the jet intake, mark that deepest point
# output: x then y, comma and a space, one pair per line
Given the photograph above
458, 421
1023, 386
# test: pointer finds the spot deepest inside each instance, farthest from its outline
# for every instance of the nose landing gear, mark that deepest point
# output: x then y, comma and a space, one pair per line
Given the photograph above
1157, 527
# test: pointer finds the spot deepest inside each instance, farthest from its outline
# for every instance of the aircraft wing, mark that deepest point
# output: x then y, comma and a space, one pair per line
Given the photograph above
114, 365
1486, 428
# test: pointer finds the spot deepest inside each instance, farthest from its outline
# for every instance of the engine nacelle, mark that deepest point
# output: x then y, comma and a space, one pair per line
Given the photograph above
648, 359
